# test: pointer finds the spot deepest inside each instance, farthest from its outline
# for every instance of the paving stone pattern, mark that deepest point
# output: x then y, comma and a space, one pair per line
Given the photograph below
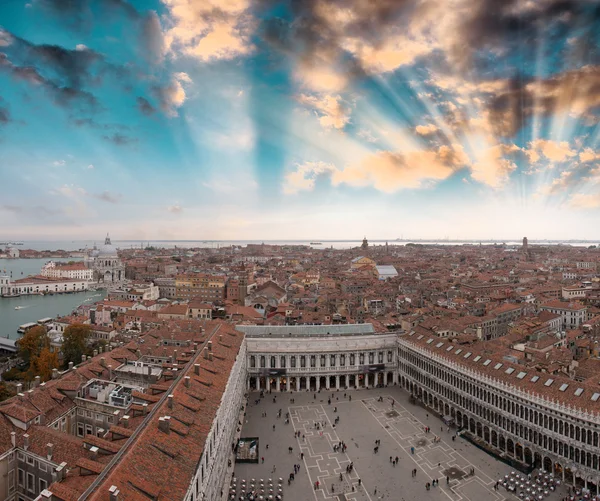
400, 427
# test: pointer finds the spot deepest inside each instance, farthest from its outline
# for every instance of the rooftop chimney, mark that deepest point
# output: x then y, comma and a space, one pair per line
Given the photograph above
210, 356
13, 438
26, 441
37, 381
210, 346
94, 451
19, 387
54, 373
95, 353
164, 424
114, 493
174, 355
42, 385
186, 381
145, 406
83, 359
170, 400
197, 369
103, 362
110, 374
220, 338
50, 450
125, 421
70, 366
205, 352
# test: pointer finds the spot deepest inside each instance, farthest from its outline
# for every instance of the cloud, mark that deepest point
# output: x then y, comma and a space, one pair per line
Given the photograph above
90, 167
209, 30
81, 46
386, 171
4, 114
589, 155
303, 177
489, 165
332, 111
59, 163
75, 192
175, 209
107, 196
144, 106
425, 130
120, 139
551, 150
173, 95
367, 135
584, 201
152, 37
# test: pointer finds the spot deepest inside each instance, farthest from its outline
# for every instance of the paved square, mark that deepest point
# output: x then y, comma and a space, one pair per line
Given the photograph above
315, 427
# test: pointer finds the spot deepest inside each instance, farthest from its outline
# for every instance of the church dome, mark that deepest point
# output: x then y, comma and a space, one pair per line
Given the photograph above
108, 249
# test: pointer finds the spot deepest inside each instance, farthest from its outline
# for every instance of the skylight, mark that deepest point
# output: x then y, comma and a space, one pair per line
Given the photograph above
458, 352
429, 341
549, 382
497, 366
487, 362
477, 358
521, 375
510, 370
420, 336
534, 379
468, 354
439, 345
563, 387
449, 348
578, 391
595, 397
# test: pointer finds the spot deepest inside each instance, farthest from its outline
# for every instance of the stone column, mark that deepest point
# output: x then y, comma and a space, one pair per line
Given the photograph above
366, 380
356, 381
298, 383
337, 382
327, 382
287, 383
318, 382
395, 377
258, 383
278, 384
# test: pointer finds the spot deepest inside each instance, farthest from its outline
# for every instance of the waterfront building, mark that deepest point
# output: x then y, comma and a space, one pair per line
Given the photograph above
40, 285
106, 264
78, 271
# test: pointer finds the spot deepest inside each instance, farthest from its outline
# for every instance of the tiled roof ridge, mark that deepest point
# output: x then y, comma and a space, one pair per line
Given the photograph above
109, 467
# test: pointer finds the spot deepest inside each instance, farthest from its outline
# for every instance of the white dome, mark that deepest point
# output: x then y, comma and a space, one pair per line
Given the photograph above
108, 249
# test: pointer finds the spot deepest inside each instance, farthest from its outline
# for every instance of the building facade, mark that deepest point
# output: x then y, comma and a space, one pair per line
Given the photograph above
105, 262
497, 404
76, 271
305, 357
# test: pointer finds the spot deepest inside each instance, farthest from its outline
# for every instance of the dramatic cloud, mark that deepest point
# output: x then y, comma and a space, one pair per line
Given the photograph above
386, 171
585, 201
551, 150
153, 41
209, 30
331, 110
490, 165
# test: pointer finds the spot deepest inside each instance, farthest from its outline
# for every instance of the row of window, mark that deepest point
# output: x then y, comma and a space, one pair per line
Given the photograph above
23, 478
322, 360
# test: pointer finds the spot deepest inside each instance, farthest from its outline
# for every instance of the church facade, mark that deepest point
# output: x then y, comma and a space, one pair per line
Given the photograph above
107, 266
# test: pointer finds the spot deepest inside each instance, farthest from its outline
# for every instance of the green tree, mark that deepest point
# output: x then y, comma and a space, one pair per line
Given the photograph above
74, 345
32, 343
43, 364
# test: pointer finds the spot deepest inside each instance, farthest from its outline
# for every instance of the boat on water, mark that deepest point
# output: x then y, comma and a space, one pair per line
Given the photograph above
316, 243
19, 307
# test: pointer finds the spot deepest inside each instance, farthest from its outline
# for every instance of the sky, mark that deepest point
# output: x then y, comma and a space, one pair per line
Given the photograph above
299, 119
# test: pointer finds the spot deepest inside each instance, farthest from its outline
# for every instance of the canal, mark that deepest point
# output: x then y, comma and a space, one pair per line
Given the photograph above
36, 307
